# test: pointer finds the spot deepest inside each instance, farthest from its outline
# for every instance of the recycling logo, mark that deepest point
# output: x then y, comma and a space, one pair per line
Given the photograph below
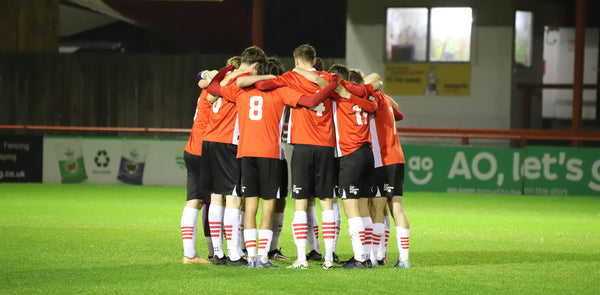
101, 159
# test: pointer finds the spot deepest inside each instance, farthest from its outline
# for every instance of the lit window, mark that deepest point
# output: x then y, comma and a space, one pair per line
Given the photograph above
406, 34
450, 34
423, 34
523, 37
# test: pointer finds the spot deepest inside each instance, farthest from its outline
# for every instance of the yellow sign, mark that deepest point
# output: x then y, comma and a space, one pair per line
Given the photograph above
452, 79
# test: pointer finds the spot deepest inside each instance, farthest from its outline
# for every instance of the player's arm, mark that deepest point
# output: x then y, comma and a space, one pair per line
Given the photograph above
214, 88
362, 101
367, 105
231, 76
315, 99
346, 89
397, 114
230, 92
251, 80
223, 84
269, 84
343, 92
312, 77
375, 80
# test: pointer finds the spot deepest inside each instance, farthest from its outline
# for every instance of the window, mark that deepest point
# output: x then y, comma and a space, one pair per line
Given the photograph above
428, 34
523, 37
407, 34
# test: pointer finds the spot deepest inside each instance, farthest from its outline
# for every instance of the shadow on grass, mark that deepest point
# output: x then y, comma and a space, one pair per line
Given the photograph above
496, 257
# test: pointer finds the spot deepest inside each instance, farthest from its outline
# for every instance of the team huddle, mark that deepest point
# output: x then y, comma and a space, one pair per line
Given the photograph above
345, 147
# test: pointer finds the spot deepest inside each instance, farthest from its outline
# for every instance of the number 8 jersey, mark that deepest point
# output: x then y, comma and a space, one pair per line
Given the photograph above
260, 115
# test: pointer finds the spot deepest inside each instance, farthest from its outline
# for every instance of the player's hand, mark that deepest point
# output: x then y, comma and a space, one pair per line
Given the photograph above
203, 83
336, 79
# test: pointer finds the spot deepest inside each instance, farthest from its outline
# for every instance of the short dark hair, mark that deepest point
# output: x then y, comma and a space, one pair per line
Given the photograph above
319, 65
339, 69
273, 66
355, 77
253, 54
305, 52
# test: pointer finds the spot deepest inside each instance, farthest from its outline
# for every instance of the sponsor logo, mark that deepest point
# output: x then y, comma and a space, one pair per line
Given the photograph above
353, 189
296, 189
388, 188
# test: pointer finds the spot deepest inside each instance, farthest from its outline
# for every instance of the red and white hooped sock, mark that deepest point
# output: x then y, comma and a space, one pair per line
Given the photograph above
402, 236
300, 232
231, 219
357, 236
250, 238
368, 224
378, 241
189, 224
215, 220
265, 236
328, 228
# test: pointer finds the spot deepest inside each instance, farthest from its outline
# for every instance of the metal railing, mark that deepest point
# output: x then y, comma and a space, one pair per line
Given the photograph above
528, 89
522, 135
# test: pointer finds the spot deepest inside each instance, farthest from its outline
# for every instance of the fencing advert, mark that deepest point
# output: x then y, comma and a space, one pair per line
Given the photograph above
533, 170
20, 158
136, 161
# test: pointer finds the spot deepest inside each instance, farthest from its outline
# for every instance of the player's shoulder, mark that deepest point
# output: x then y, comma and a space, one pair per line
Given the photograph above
294, 79
324, 75
233, 80
288, 75
231, 90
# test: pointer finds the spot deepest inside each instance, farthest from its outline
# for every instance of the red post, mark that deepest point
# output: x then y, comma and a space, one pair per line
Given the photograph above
578, 68
257, 22
527, 92
465, 140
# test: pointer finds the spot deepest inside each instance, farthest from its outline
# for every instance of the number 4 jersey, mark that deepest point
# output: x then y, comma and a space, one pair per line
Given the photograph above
260, 115
312, 126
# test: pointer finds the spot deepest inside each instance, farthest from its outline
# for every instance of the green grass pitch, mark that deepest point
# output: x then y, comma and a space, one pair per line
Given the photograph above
95, 239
